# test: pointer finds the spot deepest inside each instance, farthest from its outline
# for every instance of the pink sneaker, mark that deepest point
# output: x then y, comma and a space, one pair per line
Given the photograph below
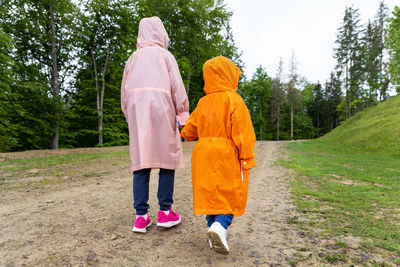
169, 220
141, 224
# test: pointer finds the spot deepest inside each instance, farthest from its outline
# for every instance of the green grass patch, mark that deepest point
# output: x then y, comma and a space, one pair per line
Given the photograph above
50, 161
375, 129
336, 257
44, 162
33, 167
348, 193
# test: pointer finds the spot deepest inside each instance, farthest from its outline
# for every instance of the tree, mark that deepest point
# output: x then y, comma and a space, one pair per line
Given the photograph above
393, 45
257, 95
333, 96
292, 92
277, 99
349, 58
8, 134
45, 45
380, 40
371, 51
317, 106
373, 42
108, 28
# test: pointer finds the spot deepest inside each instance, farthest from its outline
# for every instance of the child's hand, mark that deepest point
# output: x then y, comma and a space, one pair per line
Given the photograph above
248, 163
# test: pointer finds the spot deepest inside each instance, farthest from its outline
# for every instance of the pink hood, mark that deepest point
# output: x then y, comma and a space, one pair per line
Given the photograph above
152, 32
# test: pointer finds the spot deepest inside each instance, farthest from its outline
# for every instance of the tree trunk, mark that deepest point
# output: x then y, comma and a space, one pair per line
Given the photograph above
318, 120
347, 92
291, 118
96, 82
54, 76
278, 123
187, 84
103, 86
261, 138
350, 93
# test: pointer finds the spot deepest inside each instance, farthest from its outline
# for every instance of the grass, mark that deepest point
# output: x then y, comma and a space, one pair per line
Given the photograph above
376, 129
348, 192
348, 181
336, 257
45, 162
55, 166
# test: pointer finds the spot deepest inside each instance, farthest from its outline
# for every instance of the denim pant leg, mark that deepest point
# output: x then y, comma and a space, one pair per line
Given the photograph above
141, 191
210, 219
224, 219
166, 189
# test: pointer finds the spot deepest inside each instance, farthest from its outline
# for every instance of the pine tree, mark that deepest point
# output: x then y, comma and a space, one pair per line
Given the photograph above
381, 35
372, 72
349, 58
292, 92
277, 99
393, 45
333, 96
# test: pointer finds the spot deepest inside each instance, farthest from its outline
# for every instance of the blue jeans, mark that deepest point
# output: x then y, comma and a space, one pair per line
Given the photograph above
165, 193
224, 219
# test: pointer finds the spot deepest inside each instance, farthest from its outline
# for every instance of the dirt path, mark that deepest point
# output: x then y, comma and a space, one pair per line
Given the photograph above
76, 220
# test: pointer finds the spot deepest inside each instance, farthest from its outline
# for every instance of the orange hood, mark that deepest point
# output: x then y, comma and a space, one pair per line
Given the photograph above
220, 75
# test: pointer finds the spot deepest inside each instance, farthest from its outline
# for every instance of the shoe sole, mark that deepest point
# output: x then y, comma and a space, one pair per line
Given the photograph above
216, 243
169, 224
140, 230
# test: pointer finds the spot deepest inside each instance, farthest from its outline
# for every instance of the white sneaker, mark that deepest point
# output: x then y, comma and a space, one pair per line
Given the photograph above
217, 236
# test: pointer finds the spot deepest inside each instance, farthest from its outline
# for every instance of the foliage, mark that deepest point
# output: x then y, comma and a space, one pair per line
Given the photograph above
321, 105
107, 38
44, 47
8, 139
393, 44
257, 95
349, 57
61, 65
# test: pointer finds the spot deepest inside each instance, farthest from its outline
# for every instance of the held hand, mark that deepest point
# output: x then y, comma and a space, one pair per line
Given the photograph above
180, 126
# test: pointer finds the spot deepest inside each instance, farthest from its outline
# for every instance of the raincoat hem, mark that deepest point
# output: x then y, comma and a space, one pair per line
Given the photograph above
217, 212
157, 166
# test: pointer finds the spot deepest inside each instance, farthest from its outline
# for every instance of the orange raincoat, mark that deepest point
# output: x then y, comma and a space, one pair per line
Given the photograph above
224, 151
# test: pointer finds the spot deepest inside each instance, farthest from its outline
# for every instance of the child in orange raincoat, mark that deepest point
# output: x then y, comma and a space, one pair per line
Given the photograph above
224, 152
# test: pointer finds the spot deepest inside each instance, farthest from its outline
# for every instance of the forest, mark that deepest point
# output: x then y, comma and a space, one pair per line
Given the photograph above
61, 65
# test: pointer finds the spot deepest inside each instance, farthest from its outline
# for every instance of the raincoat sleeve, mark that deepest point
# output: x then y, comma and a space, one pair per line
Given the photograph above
189, 132
123, 93
178, 91
243, 135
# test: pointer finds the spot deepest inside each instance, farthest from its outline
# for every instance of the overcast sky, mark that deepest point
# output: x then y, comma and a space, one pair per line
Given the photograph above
266, 30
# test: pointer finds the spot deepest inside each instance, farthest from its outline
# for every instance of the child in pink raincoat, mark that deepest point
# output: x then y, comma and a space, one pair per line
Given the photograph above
154, 102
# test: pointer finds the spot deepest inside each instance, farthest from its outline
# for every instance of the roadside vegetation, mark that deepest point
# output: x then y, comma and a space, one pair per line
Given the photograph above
348, 182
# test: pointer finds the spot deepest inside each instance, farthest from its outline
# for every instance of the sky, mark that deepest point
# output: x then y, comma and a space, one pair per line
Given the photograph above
267, 30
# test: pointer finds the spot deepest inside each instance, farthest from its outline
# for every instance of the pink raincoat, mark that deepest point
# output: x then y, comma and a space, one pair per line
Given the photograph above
154, 100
